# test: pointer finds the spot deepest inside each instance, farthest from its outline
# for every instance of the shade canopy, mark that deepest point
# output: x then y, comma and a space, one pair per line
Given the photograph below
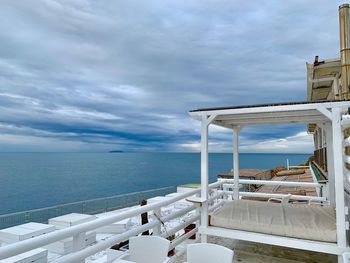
277, 113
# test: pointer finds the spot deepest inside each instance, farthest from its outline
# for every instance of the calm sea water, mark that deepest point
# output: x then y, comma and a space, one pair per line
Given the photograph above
35, 180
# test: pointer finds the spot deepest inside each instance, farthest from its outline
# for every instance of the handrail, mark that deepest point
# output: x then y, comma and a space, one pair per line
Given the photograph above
32, 243
270, 195
39, 241
281, 183
88, 251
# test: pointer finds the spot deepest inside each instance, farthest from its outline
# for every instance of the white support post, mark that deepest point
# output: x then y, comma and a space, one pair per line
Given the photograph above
204, 175
79, 243
339, 176
157, 213
330, 165
235, 164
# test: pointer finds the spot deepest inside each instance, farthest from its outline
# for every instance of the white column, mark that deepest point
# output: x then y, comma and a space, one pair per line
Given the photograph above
235, 164
79, 244
330, 165
204, 175
157, 213
339, 176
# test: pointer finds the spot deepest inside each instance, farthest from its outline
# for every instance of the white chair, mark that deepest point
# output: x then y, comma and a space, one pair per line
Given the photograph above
146, 249
208, 253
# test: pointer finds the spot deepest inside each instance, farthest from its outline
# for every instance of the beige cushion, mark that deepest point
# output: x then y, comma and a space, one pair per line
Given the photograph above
303, 221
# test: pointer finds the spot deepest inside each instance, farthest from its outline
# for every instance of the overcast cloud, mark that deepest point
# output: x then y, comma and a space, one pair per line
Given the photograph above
78, 75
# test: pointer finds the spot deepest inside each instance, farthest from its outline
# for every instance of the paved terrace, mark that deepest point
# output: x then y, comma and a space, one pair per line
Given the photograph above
247, 252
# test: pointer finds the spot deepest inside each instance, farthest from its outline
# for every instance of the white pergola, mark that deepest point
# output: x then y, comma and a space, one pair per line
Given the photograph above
330, 115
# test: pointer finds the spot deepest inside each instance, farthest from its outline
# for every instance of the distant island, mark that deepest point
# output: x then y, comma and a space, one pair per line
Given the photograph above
116, 151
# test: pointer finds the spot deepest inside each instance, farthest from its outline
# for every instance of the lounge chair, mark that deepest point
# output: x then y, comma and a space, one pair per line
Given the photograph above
146, 249
208, 253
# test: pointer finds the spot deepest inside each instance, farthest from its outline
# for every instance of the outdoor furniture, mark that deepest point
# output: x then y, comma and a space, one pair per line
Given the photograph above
282, 219
208, 253
113, 254
22, 232
146, 249
38, 255
68, 220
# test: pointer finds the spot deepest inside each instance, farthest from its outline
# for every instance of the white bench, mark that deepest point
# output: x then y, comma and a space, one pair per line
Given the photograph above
38, 255
69, 220
23, 232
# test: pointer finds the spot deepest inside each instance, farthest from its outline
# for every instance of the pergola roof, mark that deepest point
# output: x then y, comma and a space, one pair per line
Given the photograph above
277, 113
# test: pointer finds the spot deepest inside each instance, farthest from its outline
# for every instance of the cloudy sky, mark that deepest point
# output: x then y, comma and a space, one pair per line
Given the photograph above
79, 75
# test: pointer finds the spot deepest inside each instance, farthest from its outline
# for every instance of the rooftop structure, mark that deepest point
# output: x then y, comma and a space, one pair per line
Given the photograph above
317, 221
333, 115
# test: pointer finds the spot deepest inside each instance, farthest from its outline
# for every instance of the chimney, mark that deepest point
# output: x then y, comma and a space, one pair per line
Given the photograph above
344, 50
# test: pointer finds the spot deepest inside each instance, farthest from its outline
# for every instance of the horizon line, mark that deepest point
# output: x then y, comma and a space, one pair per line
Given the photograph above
111, 152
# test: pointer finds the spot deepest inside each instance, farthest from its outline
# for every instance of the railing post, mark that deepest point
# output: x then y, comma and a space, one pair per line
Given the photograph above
79, 244
27, 217
106, 204
157, 215
83, 207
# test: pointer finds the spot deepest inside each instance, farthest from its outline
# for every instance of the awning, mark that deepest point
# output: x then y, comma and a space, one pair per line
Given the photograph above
277, 113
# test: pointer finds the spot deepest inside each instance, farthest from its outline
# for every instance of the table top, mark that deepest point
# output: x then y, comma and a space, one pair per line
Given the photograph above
31, 228
122, 261
73, 218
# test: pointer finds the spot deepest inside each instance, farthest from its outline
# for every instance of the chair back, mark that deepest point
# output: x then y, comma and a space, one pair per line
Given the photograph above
208, 253
148, 249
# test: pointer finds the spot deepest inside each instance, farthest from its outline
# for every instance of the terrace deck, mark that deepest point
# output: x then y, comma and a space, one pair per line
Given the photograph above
305, 177
247, 252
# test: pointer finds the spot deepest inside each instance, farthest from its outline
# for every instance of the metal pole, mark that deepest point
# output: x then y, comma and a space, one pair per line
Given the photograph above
344, 49
235, 163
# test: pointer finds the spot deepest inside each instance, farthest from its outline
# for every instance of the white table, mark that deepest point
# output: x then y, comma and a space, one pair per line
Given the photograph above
23, 232
122, 261
69, 220
38, 255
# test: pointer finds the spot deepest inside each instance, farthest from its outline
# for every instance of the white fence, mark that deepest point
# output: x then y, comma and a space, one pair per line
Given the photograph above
77, 232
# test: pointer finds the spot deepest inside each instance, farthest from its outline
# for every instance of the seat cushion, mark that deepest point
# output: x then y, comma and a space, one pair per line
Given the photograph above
311, 222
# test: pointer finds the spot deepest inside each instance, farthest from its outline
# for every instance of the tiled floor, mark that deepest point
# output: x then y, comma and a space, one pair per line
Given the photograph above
247, 252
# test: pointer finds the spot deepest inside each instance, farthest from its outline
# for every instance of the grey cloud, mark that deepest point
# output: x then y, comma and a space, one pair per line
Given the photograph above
103, 72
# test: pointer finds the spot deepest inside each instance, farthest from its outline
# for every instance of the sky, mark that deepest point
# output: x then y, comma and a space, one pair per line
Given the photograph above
92, 76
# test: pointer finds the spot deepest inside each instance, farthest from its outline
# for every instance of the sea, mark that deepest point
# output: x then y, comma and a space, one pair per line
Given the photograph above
37, 180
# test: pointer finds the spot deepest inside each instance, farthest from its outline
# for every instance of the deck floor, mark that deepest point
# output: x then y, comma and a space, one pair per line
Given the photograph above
248, 252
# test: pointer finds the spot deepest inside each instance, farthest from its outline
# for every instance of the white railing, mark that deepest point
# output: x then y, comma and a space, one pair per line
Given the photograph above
275, 183
78, 231
279, 196
228, 183
215, 200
